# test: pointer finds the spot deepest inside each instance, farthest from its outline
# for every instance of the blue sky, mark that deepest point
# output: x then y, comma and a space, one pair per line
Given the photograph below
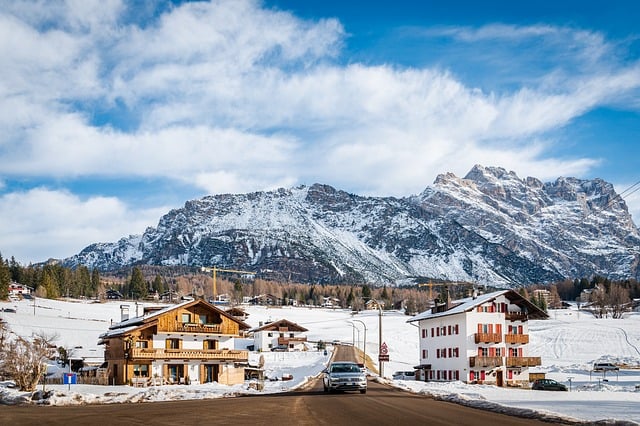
115, 112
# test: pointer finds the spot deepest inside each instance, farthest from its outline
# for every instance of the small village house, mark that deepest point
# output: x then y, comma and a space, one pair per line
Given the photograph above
279, 333
480, 339
189, 342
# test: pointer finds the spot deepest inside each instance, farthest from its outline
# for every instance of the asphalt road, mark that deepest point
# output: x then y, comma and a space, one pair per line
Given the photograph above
381, 405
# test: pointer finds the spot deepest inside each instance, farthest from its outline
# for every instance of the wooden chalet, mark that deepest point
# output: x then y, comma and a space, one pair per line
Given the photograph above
279, 333
191, 342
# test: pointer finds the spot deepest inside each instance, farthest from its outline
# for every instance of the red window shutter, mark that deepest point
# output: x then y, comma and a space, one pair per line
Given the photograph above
499, 328
479, 328
479, 351
437, 331
457, 330
482, 375
519, 329
510, 374
432, 332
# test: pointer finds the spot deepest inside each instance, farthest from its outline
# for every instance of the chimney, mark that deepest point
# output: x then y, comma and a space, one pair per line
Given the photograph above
124, 312
138, 305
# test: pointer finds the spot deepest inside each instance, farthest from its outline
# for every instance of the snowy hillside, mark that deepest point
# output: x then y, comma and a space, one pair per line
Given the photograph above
490, 227
569, 343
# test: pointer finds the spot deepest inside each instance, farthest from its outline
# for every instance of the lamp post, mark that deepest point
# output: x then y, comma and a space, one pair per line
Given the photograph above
353, 337
364, 346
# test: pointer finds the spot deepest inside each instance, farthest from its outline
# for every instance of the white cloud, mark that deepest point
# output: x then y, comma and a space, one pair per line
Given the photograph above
228, 96
45, 223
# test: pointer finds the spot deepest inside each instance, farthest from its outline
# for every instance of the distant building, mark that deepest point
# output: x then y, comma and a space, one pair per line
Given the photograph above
113, 294
16, 289
279, 333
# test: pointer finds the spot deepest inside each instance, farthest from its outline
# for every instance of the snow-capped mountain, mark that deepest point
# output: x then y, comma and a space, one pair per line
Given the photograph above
489, 227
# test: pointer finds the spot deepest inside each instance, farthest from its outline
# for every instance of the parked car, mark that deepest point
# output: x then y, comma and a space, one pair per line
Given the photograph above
605, 366
548, 384
280, 348
344, 376
404, 375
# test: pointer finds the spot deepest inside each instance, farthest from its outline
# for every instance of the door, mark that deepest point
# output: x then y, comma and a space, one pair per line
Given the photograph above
499, 378
211, 372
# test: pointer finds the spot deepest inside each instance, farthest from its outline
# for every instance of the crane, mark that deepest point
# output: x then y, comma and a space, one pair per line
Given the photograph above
215, 270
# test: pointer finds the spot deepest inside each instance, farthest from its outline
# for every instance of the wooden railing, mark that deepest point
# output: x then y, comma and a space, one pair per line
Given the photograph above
516, 338
485, 361
286, 340
188, 327
515, 316
488, 338
201, 354
523, 361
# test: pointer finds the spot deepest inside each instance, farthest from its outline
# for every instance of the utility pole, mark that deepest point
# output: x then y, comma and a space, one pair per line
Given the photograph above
380, 337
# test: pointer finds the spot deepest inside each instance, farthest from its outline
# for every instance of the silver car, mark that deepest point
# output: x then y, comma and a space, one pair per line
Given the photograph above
344, 376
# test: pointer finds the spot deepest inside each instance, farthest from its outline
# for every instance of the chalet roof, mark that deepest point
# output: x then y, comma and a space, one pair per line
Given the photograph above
149, 318
470, 303
283, 323
237, 312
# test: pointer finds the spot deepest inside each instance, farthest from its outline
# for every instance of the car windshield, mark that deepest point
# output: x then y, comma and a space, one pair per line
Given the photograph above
345, 368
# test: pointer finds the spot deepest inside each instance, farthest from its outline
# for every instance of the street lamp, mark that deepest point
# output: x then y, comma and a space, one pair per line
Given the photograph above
353, 335
364, 346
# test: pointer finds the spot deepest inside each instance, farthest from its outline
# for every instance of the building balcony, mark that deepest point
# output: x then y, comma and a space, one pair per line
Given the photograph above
196, 328
287, 340
485, 361
488, 338
523, 361
190, 354
522, 339
516, 316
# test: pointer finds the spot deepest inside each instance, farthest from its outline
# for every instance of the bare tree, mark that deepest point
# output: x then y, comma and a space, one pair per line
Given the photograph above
619, 300
25, 360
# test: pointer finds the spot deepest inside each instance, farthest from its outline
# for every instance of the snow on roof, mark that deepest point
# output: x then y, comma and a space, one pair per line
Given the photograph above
469, 303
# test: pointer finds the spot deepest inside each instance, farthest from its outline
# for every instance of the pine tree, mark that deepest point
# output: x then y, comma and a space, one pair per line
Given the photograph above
137, 286
5, 279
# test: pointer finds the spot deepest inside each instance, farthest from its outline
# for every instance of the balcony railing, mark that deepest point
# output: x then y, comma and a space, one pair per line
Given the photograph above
200, 354
523, 361
516, 338
287, 340
485, 361
515, 316
488, 337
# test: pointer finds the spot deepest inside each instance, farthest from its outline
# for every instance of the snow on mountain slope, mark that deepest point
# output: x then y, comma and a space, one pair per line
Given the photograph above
490, 227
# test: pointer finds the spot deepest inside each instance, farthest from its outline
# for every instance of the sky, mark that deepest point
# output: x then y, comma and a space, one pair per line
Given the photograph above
569, 342
115, 112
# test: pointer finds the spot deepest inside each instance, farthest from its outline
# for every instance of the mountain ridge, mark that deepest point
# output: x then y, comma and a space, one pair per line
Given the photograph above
489, 227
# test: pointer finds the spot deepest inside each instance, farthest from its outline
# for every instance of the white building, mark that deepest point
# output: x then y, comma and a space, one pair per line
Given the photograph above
279, 333
481, 339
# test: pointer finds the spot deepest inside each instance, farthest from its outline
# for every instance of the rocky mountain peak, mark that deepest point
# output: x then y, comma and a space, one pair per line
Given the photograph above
489, 227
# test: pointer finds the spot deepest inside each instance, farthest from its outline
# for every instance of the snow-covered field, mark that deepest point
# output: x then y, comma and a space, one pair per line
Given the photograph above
569, 343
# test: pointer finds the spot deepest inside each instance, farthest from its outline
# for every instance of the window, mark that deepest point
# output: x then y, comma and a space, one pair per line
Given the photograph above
172, 344
186, 317
210, 344
269, 334
449, 330
203, 319
141, 370
424, 333
456, 375
291, 335
450, 353
142, 344
432, 332
424, 354
456, 352
457, 331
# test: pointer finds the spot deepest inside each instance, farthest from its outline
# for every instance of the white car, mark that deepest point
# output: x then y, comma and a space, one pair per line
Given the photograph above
344, 376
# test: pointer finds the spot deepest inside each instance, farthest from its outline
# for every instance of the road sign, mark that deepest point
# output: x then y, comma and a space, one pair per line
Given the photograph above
384, 350
70, 378
383, 358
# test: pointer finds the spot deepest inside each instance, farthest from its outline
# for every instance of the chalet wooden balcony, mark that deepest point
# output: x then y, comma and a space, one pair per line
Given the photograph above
485, 361
516, 316
516, 338
195, 328
287, 340
488, 337
523, 361
199, 354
